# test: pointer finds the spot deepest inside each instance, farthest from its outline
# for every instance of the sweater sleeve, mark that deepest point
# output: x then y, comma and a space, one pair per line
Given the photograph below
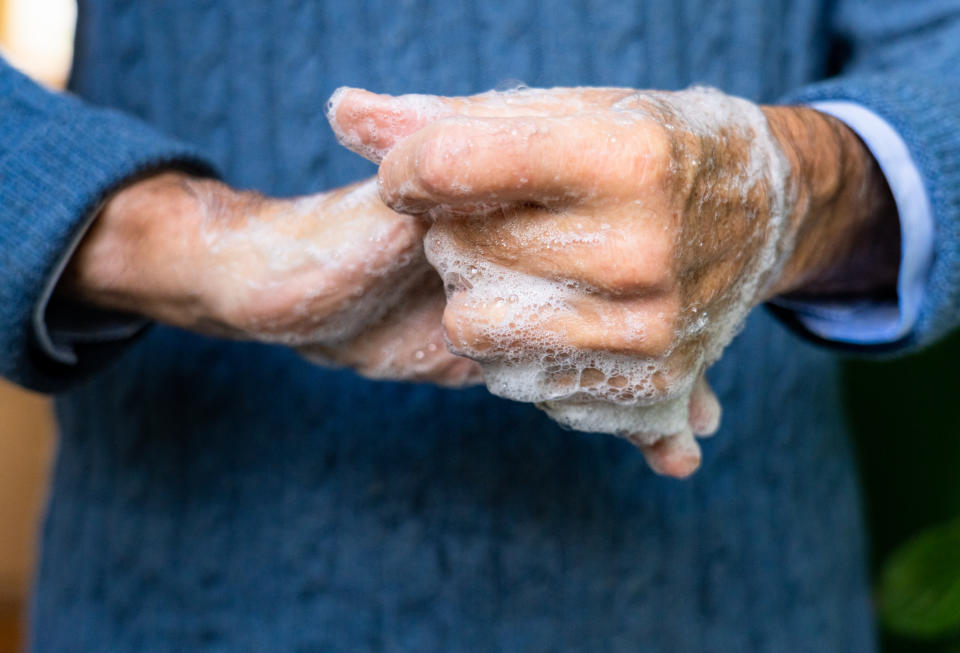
59, 159
902, 66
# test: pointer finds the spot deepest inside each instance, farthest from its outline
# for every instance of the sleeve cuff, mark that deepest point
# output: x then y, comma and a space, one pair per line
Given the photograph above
877, 322
59, 159
59, 326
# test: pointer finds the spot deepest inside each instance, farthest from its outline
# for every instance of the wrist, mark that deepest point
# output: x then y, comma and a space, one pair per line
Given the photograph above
844, 227
136, 258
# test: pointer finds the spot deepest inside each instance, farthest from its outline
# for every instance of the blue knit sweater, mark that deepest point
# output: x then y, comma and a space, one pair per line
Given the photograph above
229, 497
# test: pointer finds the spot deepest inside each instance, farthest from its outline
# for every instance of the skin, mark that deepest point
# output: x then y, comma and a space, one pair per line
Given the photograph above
200, 255
502, 175
337, 275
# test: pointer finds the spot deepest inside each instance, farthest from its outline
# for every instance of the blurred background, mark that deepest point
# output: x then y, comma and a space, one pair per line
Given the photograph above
36, 36
905, 415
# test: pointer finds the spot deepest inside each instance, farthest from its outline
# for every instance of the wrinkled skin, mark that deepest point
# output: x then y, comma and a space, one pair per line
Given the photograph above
661, 231
337, 275
544, 187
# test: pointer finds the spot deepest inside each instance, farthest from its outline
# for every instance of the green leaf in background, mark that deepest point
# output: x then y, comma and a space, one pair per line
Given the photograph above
920, 584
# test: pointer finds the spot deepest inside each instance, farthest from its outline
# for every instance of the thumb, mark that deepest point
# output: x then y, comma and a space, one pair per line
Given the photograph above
371, 124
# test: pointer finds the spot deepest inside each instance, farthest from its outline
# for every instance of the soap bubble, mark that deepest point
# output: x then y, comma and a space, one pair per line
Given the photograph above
602, 391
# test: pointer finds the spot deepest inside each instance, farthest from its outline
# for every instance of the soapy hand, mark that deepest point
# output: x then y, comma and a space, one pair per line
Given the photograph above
600, 247
337, 275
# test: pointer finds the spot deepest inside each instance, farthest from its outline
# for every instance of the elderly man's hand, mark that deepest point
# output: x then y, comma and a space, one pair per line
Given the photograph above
600, 247
337, 275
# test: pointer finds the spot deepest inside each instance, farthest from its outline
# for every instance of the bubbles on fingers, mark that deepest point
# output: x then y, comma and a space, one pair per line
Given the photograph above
516, 326
517, 323
314, 269
371, 124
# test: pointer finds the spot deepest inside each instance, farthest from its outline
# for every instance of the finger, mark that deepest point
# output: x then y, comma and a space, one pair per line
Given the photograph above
612, 254
492, 326
405, 345
705, 410
553, 161
371, 124
379, 360
408, 344
677, 456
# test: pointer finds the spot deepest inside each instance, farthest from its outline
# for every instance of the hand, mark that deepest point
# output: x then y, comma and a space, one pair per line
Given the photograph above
337, 275
600, 247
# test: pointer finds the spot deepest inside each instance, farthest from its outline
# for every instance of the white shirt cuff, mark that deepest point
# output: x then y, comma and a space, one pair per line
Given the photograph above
871, 322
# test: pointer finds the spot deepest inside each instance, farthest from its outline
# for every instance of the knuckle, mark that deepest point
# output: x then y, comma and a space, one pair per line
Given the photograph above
464, 333
653, 256
645, 330
618, 276
653, 163
642, 263
434, 172
661, 328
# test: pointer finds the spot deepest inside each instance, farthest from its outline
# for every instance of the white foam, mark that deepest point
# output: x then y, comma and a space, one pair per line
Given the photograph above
643, 398
342, 258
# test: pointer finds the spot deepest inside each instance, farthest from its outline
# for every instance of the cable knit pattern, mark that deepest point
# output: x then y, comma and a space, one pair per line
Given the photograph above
57, 162
214, 496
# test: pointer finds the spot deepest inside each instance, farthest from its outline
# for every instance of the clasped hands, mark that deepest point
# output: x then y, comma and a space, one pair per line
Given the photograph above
589, 250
